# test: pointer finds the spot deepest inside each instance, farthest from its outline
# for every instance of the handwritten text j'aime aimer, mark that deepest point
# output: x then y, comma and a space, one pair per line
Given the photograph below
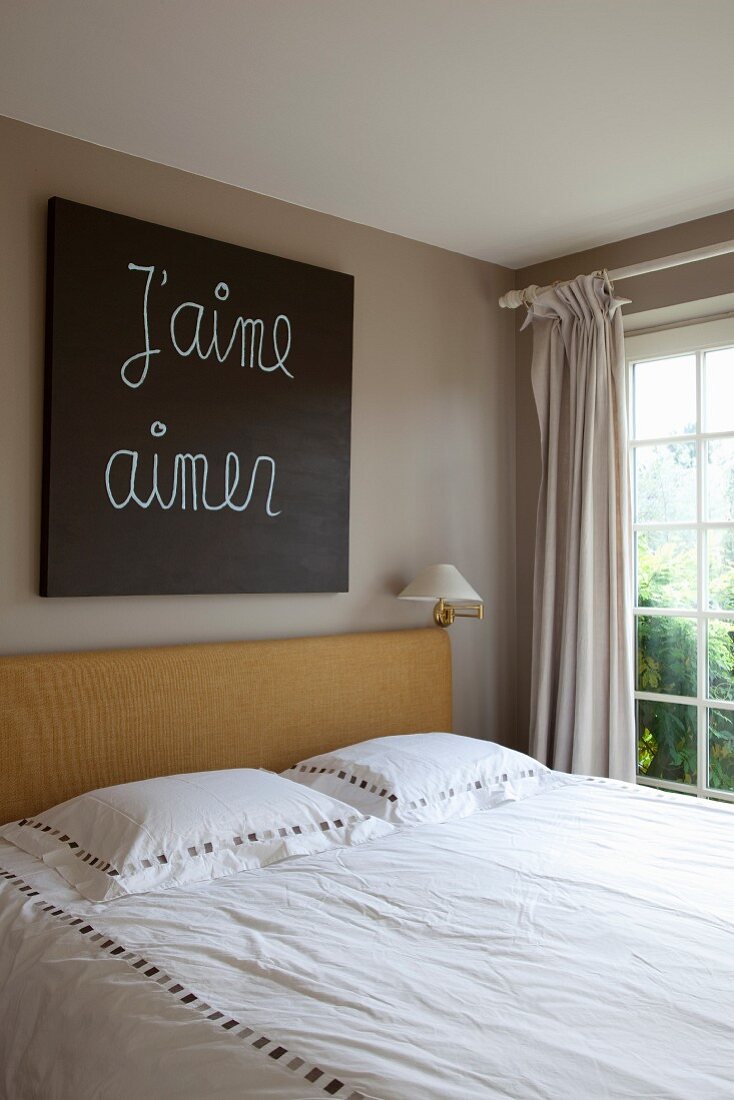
190, 472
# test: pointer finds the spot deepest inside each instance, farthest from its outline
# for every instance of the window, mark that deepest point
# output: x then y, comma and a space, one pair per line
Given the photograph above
682, 464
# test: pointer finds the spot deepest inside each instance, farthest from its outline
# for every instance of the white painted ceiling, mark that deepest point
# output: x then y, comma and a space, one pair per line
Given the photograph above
512, 130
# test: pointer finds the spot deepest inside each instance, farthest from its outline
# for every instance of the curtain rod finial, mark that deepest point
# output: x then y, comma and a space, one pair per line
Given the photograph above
516, 298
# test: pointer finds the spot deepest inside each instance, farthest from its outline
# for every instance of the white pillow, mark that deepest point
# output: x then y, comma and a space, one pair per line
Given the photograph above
185, 828
423, 777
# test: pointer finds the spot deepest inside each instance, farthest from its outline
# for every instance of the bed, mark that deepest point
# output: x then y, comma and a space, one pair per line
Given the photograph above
572, 945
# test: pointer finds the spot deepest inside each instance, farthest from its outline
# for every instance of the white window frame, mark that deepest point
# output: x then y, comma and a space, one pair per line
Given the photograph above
690, 339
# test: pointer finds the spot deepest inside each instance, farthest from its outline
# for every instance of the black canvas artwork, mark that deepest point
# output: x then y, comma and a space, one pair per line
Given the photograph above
197, 414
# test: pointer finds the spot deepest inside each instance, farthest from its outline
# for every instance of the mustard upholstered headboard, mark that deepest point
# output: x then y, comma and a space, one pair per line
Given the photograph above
71, 722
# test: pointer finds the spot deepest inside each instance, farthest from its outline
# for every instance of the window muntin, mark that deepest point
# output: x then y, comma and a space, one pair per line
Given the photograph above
682, 468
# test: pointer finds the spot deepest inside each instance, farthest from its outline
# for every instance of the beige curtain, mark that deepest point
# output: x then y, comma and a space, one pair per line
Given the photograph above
582, 708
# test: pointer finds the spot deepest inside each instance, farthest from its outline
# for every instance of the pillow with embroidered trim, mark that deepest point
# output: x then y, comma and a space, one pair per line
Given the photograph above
179, 829
415, 778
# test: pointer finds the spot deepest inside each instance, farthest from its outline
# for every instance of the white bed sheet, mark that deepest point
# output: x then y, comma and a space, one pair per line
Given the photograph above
577, 945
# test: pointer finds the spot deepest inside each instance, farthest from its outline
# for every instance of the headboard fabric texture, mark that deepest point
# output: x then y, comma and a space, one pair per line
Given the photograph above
71, 722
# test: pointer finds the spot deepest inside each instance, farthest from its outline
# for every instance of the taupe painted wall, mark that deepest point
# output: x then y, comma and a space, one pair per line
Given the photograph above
433, 422
691, 283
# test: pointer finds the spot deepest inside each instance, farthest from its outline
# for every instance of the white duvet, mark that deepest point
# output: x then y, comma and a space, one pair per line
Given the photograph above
577, 945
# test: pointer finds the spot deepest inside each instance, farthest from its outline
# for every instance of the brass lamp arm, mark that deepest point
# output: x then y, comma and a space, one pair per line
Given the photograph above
445, 612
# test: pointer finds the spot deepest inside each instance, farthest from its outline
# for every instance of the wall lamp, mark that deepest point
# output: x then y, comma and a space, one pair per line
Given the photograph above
455, 598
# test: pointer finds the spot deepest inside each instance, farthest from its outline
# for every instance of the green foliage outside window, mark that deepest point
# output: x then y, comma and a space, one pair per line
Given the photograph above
667, 664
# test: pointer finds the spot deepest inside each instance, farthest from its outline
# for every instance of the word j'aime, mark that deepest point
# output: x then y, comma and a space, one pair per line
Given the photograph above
191, 333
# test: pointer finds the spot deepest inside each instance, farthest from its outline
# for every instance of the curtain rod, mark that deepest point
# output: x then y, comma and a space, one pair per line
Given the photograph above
515, 298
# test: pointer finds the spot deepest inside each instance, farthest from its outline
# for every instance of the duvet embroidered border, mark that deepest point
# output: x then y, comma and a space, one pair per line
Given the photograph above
330, 1085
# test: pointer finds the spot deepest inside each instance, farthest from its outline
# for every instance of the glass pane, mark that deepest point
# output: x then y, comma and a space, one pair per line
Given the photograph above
666, 741
664, 397
665, 483
719, 367
666, 569
666, 655
720, 479
721, 569
721, 750
721, 659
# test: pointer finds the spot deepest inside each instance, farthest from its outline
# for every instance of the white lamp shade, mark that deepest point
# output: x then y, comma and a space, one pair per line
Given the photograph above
440, 582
